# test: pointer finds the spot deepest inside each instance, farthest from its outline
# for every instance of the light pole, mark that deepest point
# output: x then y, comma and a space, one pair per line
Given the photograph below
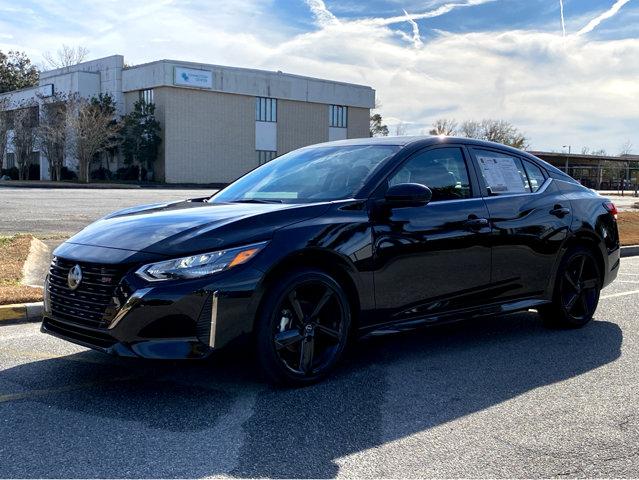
569, 149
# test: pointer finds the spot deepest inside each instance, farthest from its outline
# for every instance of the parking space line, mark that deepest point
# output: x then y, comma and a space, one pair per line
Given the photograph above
621, 294
48, 391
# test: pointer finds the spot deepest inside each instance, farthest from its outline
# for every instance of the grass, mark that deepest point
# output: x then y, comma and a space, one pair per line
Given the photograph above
13, 253
628, 228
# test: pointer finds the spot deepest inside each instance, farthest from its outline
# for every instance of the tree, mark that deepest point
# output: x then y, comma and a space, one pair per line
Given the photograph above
444, 126
499, 131
51, 134
16, 71
377, 128
92, 131
626, 148
4, 129
141, 136
400, 129
106, 104
470, 129
65, 56
25, 121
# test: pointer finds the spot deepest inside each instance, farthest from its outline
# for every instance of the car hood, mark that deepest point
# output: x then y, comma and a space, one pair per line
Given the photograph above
192, 226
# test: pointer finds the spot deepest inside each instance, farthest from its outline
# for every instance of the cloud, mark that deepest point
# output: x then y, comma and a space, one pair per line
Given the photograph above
594, 23
573, 90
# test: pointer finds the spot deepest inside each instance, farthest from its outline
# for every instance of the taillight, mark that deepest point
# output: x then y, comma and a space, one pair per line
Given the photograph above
611, 209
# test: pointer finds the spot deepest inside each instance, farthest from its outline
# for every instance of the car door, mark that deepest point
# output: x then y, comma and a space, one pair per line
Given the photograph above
530, 220
436, 257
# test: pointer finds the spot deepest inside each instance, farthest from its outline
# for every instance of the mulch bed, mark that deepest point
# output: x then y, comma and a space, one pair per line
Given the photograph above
13, 253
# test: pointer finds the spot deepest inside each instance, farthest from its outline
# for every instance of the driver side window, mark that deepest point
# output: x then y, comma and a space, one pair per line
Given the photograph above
443, 170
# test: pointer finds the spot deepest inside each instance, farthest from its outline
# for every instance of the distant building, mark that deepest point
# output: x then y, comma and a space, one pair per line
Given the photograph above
217, 122
602, 172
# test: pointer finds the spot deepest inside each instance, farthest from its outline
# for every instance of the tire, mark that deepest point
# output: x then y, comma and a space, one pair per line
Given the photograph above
576, 292
302, 328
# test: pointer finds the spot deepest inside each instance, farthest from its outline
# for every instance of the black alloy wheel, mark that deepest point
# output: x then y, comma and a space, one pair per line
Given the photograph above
304, 330
577, 290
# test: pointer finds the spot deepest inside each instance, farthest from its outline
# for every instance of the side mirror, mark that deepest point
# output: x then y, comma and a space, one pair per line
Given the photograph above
408, 195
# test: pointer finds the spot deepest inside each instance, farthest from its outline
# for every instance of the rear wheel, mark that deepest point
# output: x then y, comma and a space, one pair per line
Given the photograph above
577, 288
303, 328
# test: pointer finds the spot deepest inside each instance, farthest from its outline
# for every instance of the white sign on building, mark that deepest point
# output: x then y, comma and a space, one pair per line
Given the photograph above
192, 77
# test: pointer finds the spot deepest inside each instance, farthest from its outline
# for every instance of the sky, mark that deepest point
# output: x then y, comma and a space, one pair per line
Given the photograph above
572, 82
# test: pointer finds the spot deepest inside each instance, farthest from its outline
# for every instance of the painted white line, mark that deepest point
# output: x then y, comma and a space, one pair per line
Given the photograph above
621, 294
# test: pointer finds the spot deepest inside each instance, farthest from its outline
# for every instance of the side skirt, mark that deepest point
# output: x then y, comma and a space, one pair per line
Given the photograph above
453, 316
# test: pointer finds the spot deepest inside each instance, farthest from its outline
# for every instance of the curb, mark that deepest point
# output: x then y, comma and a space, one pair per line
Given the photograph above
21, 313
630, 251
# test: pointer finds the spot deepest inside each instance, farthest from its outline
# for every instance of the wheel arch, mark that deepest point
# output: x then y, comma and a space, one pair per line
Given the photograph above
590, 240
337, 266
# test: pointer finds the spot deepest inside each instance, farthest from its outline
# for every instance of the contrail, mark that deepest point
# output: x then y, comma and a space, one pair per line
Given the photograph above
416, 39
322, 14
563, 23
604, 16
447, 7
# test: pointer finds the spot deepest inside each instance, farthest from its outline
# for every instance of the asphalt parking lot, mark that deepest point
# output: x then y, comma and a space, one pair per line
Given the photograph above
499, 397
51, 212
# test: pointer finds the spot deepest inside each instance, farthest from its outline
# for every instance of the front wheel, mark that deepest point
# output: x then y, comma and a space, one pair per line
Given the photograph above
576, 294
302, 328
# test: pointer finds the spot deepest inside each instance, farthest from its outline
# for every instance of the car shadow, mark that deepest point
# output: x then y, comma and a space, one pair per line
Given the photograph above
163, 419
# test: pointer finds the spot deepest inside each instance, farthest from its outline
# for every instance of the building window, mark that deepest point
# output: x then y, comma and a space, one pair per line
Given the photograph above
265, 109
337, 116
146, 95
265, 156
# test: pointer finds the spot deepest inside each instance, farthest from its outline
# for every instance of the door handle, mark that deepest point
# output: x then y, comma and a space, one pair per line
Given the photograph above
474, 223
560, 211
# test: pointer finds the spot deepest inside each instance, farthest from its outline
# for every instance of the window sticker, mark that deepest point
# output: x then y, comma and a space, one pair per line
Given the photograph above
501, 174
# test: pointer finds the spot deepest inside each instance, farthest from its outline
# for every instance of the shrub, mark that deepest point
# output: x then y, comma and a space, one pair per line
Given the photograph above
66, 174
10, 172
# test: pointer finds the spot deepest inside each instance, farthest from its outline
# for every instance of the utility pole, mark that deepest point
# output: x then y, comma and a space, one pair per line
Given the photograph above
569, 150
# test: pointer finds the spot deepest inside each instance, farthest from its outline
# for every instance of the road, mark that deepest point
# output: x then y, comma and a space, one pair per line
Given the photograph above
49, 212
499, 397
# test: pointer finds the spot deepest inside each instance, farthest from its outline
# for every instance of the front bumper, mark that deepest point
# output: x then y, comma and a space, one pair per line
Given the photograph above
167, 320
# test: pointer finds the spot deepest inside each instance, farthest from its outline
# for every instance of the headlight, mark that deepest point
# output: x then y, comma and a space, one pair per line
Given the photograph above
199, 265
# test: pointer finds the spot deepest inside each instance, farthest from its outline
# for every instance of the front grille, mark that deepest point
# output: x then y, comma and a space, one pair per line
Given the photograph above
93, 302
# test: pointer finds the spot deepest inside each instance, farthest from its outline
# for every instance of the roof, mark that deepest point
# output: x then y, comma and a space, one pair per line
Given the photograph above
424, 140
580, 156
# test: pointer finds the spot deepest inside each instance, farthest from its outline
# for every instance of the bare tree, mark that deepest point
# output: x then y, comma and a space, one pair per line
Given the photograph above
470, 129
501, 131
444, 126
400, 129
585, 150
92, 131
24, 127
51, 134
626, 148
4, 129
65, 56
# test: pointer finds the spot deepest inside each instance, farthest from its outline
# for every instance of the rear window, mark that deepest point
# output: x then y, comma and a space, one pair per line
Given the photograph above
536, 176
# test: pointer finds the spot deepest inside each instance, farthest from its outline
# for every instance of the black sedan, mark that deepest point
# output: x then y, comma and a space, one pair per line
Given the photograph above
332, 241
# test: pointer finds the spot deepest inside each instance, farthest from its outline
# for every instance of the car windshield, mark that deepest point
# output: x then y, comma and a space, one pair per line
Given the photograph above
309, 175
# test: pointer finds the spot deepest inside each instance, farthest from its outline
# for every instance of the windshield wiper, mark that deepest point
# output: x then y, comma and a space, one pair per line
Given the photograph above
256, 200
